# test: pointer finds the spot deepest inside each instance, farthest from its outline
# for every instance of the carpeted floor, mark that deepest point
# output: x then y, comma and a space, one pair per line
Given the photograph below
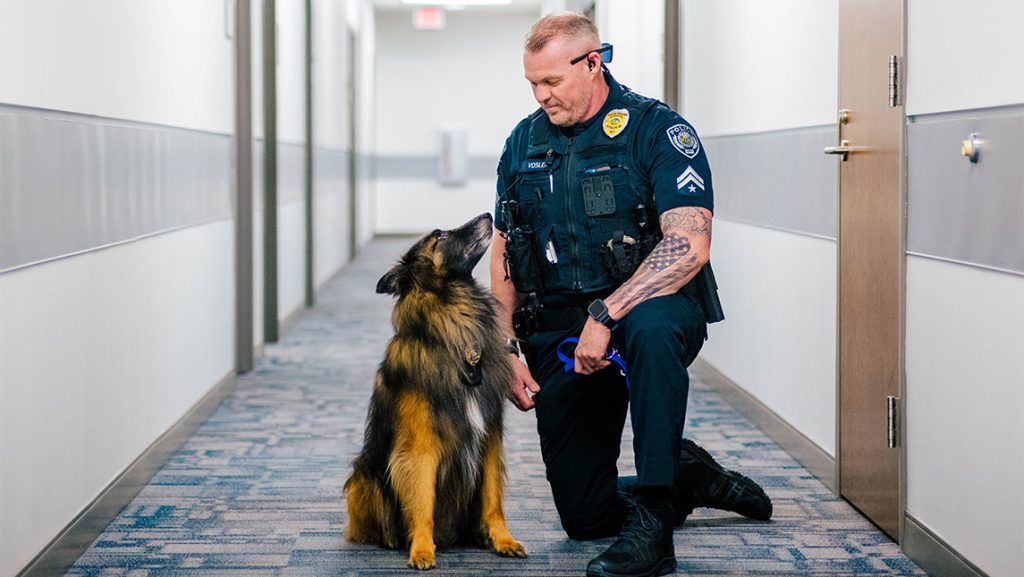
257, 491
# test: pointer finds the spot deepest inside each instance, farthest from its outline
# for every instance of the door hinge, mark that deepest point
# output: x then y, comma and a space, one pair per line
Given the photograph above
892, 411
894, 81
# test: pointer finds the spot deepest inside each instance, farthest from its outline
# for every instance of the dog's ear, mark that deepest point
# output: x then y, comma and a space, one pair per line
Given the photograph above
388, 284
396, 281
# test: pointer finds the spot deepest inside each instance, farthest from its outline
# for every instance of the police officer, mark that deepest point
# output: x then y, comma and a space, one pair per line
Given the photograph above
604, 211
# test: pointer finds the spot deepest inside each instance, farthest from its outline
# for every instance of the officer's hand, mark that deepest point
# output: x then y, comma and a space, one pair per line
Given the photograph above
592, 348
523, 387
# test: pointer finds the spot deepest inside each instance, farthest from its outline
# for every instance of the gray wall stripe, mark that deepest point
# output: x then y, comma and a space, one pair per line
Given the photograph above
291, 173
70, 183
391, 166
331, 171
778, 180
964, 212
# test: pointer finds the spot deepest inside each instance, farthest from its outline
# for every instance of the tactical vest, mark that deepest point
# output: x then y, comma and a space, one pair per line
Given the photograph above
585, 215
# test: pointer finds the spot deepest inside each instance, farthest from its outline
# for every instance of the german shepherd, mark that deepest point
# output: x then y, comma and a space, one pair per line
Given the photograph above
432, 467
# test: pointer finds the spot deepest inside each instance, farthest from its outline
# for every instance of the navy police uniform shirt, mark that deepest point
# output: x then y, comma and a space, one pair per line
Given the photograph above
667, 152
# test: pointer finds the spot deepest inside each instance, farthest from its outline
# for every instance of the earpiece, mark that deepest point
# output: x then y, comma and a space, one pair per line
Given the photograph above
590, 64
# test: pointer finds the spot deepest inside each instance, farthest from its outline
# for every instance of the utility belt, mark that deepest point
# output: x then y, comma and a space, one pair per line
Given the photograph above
533, 317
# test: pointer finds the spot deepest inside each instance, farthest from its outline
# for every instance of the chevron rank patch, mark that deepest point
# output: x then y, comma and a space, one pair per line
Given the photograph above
689, 181
684, 139
615, 121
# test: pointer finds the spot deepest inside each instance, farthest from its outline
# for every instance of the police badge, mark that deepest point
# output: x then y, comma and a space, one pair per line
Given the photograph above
615, 121
684, 139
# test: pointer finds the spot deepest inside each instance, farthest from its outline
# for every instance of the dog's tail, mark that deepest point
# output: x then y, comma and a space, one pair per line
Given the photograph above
367, 514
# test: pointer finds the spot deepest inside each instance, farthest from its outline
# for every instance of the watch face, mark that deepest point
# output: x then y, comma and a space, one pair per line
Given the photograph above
598, 310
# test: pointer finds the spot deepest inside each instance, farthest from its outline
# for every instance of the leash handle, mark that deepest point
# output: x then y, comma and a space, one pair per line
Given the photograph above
570, 361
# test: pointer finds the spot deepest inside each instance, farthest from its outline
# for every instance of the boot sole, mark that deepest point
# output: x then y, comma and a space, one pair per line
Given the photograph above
733, 477
664, 567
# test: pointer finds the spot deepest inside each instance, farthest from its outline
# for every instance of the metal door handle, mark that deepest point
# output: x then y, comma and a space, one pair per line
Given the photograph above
844, 149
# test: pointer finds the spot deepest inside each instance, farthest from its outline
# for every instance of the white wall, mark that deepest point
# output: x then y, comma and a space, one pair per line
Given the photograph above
759, 66
291, 133
470, 74
330, 132
960, 59
752, 67
99, 355
636, 30
362, 19
70, 56
965, 410
779, 337
965, 326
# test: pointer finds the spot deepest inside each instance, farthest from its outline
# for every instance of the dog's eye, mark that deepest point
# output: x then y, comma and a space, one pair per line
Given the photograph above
442, 235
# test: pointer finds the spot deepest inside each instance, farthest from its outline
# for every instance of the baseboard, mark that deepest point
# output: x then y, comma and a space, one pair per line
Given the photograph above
799, 446
933, 554
69, 545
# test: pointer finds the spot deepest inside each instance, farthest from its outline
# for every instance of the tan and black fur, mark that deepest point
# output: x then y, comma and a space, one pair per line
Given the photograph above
432, 468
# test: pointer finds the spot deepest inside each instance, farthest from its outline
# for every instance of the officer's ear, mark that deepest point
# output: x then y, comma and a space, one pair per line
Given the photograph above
590, 64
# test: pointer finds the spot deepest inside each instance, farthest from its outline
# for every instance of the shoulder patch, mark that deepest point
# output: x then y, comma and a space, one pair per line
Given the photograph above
684, 139
689, 182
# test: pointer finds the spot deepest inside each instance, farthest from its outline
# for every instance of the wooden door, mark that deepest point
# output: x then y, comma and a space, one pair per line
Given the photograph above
871, 256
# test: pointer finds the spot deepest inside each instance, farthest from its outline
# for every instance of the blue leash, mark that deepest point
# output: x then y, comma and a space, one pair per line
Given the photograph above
570, 362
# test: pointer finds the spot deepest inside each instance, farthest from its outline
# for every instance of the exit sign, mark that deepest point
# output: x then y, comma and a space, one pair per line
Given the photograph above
431, 18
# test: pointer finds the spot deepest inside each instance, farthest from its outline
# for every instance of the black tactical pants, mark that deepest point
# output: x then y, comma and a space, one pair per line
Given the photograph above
580, 418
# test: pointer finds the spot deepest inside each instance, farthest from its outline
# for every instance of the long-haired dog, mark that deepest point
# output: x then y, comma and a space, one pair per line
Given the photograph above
432, 467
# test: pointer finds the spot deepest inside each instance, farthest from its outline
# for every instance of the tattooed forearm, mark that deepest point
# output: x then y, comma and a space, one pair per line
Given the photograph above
673, 262
658, 274
669, 250
693, 221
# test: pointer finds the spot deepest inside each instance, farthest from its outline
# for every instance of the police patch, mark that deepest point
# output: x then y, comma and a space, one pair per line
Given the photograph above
615, 121
684, 139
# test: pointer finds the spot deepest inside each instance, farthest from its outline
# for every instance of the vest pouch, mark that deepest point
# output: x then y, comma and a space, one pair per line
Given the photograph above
521, 260
621, 255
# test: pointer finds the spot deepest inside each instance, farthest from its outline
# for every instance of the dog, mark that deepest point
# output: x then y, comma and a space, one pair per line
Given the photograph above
432, 471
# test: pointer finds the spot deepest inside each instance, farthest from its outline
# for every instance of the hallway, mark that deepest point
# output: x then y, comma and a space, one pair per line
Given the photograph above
257, 491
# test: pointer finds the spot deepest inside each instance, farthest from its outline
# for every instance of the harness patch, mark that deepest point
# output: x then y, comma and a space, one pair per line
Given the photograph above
684, 139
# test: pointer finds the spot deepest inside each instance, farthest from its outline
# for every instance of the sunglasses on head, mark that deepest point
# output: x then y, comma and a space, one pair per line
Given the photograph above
605, 51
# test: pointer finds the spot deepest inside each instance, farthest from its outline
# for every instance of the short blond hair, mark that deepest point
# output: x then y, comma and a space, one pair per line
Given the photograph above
567, 24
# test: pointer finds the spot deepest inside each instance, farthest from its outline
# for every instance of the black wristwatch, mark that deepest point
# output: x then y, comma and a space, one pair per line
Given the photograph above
599, 312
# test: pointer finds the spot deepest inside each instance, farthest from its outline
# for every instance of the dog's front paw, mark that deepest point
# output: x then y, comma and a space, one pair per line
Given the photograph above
422, 559
509, 547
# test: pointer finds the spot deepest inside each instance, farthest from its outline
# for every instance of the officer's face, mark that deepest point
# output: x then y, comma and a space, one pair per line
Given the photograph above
563, 90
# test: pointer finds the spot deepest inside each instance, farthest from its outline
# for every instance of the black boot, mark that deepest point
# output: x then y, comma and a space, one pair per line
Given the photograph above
708, 484
644, 547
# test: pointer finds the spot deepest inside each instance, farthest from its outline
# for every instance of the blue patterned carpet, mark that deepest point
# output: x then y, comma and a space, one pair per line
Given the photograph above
258, 490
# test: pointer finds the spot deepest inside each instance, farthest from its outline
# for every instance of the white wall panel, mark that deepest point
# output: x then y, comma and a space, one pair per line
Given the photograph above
291, 258
330, 63
415, 206
291, 72
99, 355
470, 74
962, 56
330, 218
759, 66
965, 410
367, 89
636, 30
778, 340
145, 60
